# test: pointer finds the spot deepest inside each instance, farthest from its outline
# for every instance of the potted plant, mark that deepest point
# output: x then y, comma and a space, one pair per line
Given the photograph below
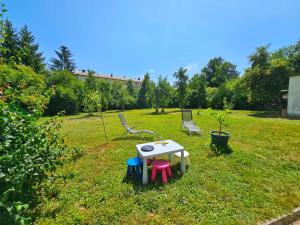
220, 137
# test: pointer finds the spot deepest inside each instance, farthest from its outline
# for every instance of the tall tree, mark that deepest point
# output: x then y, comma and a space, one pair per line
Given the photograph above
197, 95
266, 77
64, 60
144, 96
218, 71
91, 83
131, 88
29, 54
162, 94
260, 58
10, 44
181, 85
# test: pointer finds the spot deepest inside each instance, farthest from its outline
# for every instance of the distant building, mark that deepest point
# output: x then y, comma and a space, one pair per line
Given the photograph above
293, 108
82, 75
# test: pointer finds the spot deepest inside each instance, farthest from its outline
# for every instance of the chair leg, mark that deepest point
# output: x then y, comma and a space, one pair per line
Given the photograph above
138, 172
128, 173
169, 172
153, 175
164, 176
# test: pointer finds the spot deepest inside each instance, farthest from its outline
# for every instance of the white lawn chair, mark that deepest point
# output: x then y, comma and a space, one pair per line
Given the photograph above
187, 122
130, 130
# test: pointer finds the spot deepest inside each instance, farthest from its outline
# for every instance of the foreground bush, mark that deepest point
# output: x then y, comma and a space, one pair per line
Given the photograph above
22, 86
29, 154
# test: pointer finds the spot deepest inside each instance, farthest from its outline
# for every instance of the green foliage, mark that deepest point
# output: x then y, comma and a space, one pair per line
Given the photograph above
130, 88
63, 61
67, 92
10, 50
2, 12
145, 93
29, 155
182, 86
105, 88
19, 48
92, 102
29, 54
162, 93
120, 98
266, 77
221, 117
197, 94
22, 86
219, 71
91, 83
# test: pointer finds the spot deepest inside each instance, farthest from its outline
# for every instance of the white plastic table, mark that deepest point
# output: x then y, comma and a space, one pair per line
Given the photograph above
159, 149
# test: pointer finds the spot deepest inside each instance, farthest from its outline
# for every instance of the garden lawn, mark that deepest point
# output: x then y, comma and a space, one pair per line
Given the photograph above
258, 181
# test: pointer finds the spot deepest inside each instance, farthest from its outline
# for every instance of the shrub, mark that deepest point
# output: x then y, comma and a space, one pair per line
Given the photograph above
221, 117
22, 86
29, 155
92, 102
67, 93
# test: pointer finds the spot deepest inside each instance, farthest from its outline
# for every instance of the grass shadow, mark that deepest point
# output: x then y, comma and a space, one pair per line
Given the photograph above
138, 185
88, 116
272, 114
133, 138
218, 150
161, 113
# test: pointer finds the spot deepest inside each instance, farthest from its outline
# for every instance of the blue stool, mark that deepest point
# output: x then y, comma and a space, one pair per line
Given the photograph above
135, 165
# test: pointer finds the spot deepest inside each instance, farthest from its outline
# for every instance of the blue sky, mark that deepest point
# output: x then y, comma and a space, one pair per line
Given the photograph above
131, 37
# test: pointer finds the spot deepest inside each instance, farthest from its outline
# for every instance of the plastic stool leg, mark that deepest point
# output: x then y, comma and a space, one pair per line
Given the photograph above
128, 171
138, 172
164, 176
153, 174
169, 172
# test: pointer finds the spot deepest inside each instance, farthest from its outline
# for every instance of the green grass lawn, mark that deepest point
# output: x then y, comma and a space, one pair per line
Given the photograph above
258, 181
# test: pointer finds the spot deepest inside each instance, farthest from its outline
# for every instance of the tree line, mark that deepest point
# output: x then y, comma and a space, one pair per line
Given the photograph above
217, 85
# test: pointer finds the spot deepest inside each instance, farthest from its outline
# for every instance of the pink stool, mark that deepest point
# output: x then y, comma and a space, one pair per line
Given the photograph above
163, 165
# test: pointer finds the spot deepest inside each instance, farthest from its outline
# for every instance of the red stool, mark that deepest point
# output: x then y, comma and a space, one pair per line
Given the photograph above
164, 166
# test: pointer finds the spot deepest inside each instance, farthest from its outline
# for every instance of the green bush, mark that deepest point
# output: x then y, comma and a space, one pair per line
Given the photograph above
67, 93
29, 154
22, 86
92, 102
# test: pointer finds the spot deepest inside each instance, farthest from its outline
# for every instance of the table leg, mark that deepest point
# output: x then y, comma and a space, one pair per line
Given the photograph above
170, 157
182, 163
145, 171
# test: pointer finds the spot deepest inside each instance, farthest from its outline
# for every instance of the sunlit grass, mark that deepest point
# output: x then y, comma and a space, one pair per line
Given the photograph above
258, 181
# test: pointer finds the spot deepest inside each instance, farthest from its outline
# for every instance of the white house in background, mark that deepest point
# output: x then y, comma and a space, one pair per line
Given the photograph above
82, 75
293, 108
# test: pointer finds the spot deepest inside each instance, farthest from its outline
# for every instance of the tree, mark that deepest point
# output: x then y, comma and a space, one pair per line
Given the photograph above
266, 77
29, 54
144, 97
105, 89
181, 85
64, 60
68, 92
21, 86
10, 45
261, 58
197, 95
162, 94
91, 82
92, 102
218, 71
131, 88
290, 53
